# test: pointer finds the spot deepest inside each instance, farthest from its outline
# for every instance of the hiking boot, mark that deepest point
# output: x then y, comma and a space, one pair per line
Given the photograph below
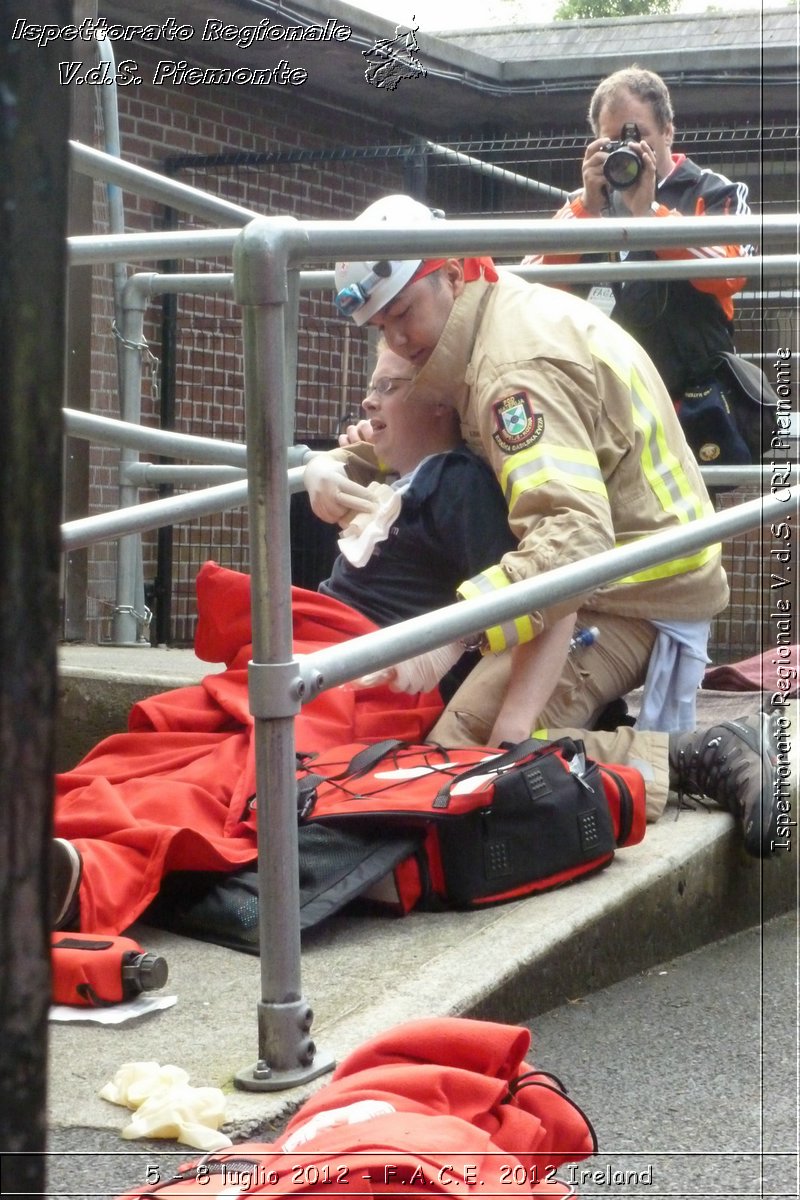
66, 868
733, 763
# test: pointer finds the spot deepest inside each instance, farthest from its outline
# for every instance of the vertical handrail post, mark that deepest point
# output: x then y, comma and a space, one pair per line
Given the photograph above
287, 1056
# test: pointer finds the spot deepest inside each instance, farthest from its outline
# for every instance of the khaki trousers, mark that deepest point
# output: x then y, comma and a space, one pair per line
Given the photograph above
592, 676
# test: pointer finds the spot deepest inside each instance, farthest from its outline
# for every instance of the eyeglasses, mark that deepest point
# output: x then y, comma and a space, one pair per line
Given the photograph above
388, 384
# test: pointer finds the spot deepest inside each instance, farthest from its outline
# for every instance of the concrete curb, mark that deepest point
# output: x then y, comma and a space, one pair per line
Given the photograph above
687, 884
98, 686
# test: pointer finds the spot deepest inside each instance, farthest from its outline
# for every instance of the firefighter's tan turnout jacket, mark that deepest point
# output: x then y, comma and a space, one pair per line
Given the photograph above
582, 435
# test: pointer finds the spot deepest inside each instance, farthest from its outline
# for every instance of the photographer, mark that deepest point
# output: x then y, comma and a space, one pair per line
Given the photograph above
683, 325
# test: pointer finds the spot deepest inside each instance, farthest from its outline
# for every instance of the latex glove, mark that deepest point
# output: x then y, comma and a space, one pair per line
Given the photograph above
356, 435
166, 1106
334, 497
191, 1115
420, 674
135, 1081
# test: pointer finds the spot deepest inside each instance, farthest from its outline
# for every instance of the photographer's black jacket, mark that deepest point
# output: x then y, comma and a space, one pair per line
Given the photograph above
683, 325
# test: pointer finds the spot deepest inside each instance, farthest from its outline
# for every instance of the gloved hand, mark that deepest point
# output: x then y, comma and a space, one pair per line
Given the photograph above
355, 435
419, 674
334, 497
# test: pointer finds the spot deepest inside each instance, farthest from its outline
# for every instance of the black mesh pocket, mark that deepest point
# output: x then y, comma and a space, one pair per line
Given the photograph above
542, 823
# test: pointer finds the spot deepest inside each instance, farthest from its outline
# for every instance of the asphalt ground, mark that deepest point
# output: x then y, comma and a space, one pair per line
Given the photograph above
688, 1072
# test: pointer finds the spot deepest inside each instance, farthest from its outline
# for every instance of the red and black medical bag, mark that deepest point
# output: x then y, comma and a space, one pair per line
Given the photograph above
497, 825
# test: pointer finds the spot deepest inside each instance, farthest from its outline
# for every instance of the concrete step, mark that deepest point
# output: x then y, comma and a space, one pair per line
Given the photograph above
98, 685
687, 884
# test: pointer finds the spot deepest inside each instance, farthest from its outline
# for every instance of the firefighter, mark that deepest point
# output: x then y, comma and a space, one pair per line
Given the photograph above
582, 435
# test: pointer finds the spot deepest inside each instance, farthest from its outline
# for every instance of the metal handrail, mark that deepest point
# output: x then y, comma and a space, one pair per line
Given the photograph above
86, 160
265, 253
324, 669
155, 514
325, 241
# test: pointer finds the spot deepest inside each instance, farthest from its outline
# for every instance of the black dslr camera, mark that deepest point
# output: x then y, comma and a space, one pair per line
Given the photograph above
623, 166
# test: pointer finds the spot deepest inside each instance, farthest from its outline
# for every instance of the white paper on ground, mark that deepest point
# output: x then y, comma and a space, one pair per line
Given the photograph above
114, 1014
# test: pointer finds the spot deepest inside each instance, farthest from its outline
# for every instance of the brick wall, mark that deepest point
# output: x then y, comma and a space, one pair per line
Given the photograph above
158, 124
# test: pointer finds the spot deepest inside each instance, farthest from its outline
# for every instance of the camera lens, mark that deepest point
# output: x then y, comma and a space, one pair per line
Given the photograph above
622, 168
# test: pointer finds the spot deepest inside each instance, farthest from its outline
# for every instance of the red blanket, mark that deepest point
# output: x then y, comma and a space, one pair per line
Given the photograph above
171, 794
440, 1107
774, 671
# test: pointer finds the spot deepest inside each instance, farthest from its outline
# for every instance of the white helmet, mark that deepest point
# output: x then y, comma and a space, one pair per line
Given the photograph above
364, 288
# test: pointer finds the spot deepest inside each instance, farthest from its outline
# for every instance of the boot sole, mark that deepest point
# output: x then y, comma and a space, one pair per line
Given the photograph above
760, 823
71, 866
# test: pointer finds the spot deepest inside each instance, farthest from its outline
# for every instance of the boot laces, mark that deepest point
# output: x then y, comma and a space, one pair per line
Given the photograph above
705, 771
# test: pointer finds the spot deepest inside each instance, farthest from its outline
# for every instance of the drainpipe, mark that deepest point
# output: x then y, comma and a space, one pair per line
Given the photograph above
130, 614
116, 212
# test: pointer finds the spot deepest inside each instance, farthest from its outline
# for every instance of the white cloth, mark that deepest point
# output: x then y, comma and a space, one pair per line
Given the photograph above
363, 533
675, 672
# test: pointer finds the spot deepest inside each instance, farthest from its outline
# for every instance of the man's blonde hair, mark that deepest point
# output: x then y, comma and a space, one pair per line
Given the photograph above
645, 85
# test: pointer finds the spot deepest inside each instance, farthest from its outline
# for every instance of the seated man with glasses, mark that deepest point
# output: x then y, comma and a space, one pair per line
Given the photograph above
173, 794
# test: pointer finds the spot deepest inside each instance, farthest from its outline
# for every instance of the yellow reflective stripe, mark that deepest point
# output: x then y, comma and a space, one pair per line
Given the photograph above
509, 633
487, 581
538, 465
542, 734
676, 566
661, 467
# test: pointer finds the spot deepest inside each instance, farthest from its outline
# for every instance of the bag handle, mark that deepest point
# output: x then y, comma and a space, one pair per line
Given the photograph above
361, 762
521, 750
369, 757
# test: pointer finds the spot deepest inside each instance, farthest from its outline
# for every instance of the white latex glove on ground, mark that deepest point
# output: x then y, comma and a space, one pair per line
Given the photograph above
334, 497
419, 674
166, 1106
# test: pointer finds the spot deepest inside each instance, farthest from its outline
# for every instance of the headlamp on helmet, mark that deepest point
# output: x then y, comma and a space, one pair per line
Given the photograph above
354, 295
364, 288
